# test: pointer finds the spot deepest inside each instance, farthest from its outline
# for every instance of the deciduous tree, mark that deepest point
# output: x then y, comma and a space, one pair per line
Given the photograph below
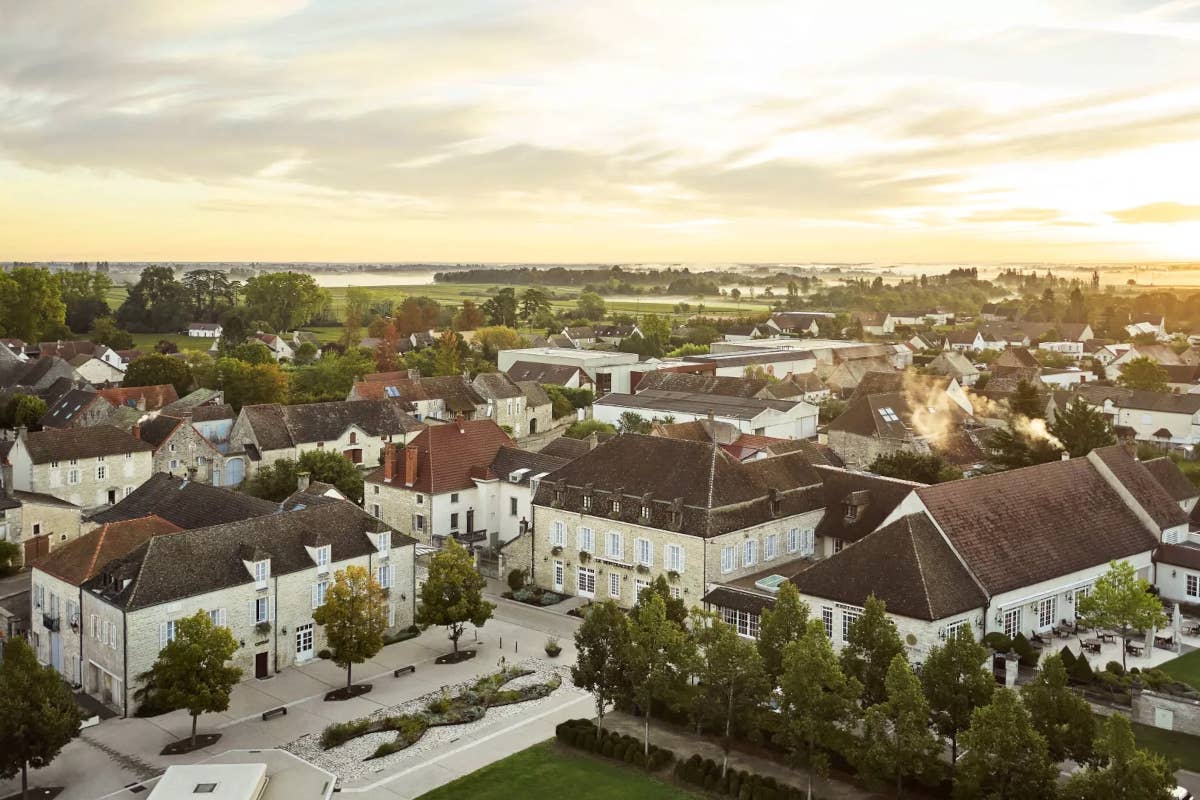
1005, 758
956, 682
284, 299
191, 671
658, 658
732, 687
453, 593
1060, 715
872, 643
601, 644
591, 306
779, 626
156, 369
897, 741
1027, 401
919, 467
354, 617
1122, 601
494, 338
501, 308
23, 409
31, 303
105, 331
278, 480
1143, 373
1124, 771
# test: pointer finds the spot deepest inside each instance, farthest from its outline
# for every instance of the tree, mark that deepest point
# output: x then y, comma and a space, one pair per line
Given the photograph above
470, 317
956, 682
105, 331
210, 292
354, 616
919, 467
494, 338
284, 299
897, 741
502, 308
446, 361
249, 384
1122, 601
1005, 758
872, 642
818, 699
236, 325
676, 609
1026, 401
157, 303
251, 352
190, 671
278, 480
156, 369
601, 643
733, 687
30, 303
38, 716
657, 660
358, 301
453, 593
23, 409
533, 303
1013, 448
586, 427
779, 626
1060, 715
306, 354
1143, 373
590, 306
85, 296
1124, 771
166, 347
1081, 429
632, 422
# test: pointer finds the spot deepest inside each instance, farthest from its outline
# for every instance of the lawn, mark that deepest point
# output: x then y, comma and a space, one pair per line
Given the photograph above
1186, 668
1184, 750
548, 771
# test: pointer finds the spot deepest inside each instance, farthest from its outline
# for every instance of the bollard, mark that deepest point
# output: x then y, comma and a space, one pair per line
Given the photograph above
516, 647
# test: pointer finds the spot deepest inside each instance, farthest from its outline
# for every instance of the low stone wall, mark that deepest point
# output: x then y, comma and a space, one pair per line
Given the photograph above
1166, 711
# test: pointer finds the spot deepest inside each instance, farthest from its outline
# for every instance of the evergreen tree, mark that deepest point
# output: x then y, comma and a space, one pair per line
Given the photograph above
1059, 714
779, 626
1027, 401
956, 682
897, 740
601, 645
1081, 429
1005, 758
872, 643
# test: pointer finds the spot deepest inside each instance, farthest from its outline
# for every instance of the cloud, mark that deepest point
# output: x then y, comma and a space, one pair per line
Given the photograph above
1155, 213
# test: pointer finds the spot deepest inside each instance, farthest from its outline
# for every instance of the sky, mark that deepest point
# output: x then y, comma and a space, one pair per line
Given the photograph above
620, 131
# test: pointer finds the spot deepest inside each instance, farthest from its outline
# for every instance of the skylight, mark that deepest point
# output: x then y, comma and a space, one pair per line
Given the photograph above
888, 414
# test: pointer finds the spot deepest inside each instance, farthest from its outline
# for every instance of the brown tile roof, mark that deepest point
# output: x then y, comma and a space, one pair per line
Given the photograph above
1169, 403
553, 374
454, 390
277, 426
99, 440
906, 563
1142, 484
701, 384
873, 496
447, 454
1028, 525
1171, 478
78, 560
148, 398
711, 491
1178, 555
185, 503
209, 413
1014, 358
566, 447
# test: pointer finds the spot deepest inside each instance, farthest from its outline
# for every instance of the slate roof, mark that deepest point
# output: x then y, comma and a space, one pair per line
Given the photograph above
961, 337
185, 503
1033, 524
889, 415
99, 440
1171, 479
158, 429
1143, 485
149, 398
1182, 373
279, 427
69, 406
652, 400
873, 496
80, 559
535, 395
496, 386
700, 384
38, 498
510, 459
447, 455
1142, 400
906, 563
566, 447
712, 491
454, 390
37, 374
1178, 555
187, 404
212, 412
214, 555
553, 374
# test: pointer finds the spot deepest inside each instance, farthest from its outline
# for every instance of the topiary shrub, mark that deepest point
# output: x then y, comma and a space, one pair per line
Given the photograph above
1115, 668
324, 653
998, 642
1025, 651
1068, 658
516, 580
1081, 671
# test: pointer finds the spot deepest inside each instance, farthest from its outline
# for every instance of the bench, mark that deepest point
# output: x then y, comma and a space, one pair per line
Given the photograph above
404, 671
272, 713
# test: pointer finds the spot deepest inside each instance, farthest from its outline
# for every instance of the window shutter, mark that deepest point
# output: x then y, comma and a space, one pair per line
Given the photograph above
253, 612
391, 575
222, 619
314, 596
270, 609
93, 626
162, 635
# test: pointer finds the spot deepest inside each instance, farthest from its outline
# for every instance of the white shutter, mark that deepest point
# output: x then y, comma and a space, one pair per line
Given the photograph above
162, 635
116, 637
93, 626
270, 610
222, 620
391, 575
253, 611
315, 604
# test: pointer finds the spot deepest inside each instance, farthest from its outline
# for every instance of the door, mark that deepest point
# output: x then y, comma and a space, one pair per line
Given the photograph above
558, 576
304, 642
235, 472
112, 496
532, 425
587, 582
37, 547
56, 659
470, 520
354, 454
261, 666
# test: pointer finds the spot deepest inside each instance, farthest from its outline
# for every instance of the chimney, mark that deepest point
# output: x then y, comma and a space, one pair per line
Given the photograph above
136, 431
711, 416
191, 473
389, 462
458, 422
410, 465
1066, 456
301, 481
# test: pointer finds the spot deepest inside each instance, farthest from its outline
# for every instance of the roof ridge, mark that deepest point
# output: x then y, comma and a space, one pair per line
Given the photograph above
912, 540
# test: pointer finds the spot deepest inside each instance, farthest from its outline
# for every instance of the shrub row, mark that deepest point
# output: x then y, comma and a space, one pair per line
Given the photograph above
706, 774
402, 635
581, 733
1116, 680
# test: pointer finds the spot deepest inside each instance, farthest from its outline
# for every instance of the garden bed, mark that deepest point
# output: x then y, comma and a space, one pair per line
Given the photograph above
184, 746
535, 596
455, 657
348, 692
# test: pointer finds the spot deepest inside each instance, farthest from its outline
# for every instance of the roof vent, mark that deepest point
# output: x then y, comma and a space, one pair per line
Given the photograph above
517, 474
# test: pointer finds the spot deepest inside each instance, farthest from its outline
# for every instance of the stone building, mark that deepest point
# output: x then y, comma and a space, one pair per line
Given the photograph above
87, 467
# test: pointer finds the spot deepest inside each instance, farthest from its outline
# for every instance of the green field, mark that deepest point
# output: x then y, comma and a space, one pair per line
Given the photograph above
1186, 668
547, 770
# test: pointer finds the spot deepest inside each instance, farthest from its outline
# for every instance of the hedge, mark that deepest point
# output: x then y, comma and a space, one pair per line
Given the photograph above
582, 734
706, 774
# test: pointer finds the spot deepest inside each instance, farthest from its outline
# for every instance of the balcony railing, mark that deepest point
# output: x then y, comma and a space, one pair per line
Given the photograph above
50, 623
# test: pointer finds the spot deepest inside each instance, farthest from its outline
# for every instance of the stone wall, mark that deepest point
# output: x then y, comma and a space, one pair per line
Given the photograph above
1166, 711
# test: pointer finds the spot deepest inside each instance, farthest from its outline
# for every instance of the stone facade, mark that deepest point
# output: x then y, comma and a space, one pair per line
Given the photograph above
54, 624
860, 451
89, 483
59, 523
186, 450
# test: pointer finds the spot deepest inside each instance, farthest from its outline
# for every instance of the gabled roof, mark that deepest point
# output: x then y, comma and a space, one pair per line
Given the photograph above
212, 412
69, 406
510, 459
873, 497
953, 363
906, 563
892, 415
701, 384
656, 400
1014, 358
566, 447
961, 337
63, 444
535, 395
1171, 479
187, 404
496, 386
279, 427
1169, 403
446, 455
1143, 485
148, 398
158, 429
80, 559
70, 349
454, 390
185, 503
553, 374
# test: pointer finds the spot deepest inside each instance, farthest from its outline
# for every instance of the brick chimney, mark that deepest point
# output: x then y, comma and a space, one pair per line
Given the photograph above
458, 422
410, 465
389, 462
136, 431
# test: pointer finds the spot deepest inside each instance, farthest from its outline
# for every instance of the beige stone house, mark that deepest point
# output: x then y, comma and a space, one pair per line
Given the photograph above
181, 448
37, 523
260, 577
522, 407
87, 467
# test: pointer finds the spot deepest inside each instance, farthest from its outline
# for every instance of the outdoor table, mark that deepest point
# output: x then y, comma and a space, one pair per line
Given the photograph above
1092, 645
1105, 636
1135, 648
1164, 641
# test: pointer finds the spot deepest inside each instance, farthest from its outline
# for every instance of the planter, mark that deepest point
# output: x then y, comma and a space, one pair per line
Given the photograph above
643, 569
556, 550
584, 556
263, 627
673, 576
553, 652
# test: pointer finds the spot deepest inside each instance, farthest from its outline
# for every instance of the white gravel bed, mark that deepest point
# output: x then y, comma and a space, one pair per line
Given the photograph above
346, 761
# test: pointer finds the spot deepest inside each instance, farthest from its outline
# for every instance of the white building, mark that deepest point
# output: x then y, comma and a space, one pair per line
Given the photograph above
609, 371
204, 330
784, 419
87, 467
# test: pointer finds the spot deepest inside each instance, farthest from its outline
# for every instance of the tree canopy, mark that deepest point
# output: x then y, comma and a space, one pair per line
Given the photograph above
600, 645
1143, 373
353, 616
284, 299
1005, 758
872, 643
1081, 429
156, 369
191, 671
279, 479
920, 467
453, 593
1122, 601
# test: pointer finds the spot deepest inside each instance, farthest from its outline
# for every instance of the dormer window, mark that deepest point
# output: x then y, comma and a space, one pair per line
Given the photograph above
353, 437
587, 502
645, 512
616, 506
262, 573
323, 558
851, 512
383, 543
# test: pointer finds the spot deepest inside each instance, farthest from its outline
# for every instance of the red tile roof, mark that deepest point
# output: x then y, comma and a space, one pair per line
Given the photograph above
155, 397
78, 560
447, 454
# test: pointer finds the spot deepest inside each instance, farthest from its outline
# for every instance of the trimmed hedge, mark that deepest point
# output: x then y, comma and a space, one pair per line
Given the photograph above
582, 734
706, 774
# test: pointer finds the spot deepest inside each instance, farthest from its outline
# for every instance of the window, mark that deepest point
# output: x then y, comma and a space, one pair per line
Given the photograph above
888, 414
558, 534
639, 586
749, 552
616, 546
954, 627
454, 497
673, 557
676, 593
174, 463
101, 471
827, 619
1047, 611
744, 622
769, 546
323, 558
614, 584
420, 499
1193, 586
375, 489
217, 615
616, 506
808, 542
172, 447
383, 541
129, 456
204, 788
587, 539
54, 465
848, 619
512, 506
167, 633
454, 521
643, 552
73, 477
262, 572
1012, 622
73, 461
729, 558
383, 575
645, 512
837, 545
793, 540
353, 437
262, 608
587, 502
587, 582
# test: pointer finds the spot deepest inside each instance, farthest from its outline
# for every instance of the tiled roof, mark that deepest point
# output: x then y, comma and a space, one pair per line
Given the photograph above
212, 557
652, 400
186, 503
212, 412
158, 429
874, 497
711, 491
41, 499
1178, 555
700, 384
890, 416
278, 427
553, 374
1025, 526
453, 390
496, 386
1171, 479
63, 444
566, 447
447, 455
149, 398
510, 459
1014, 358
535, 395
1169, 403
70, 349
78, 560
1145, 487
192, 400
69, 406
906, 563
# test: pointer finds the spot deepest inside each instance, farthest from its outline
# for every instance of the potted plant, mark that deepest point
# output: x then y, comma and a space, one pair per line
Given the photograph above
552, 647
556, 550
263, 627
584, 556
642, 569
673, 576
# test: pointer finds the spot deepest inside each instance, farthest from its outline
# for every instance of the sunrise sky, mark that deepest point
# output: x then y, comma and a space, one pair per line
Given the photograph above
624, 130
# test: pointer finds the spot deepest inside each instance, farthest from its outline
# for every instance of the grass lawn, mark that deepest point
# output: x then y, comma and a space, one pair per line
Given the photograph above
1186, 668
550, 772
1178, 747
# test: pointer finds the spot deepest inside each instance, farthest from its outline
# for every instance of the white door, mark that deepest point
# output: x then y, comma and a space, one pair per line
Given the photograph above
558, 576
587, 582
304, 642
